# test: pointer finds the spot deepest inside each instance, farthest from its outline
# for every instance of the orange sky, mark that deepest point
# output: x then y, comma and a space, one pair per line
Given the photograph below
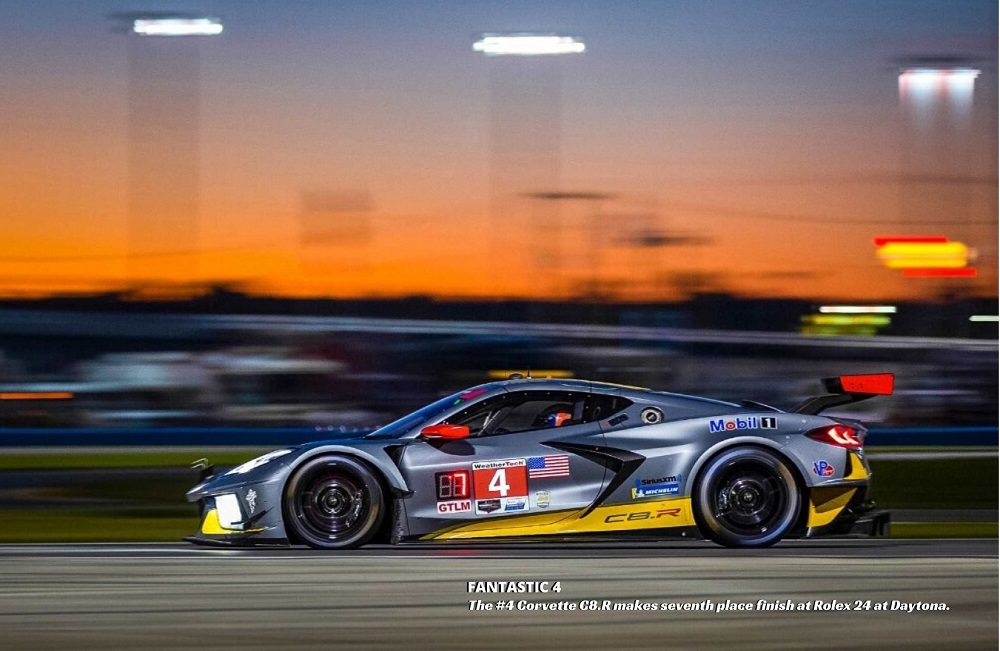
785, 186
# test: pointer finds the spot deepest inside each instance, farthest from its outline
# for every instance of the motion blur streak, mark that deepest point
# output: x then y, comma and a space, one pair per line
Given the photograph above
36, 395
964, 272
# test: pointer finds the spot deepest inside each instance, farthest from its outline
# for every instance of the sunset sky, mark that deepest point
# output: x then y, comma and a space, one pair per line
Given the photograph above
768, 137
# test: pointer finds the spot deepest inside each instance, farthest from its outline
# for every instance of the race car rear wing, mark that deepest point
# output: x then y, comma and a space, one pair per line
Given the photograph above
846, 389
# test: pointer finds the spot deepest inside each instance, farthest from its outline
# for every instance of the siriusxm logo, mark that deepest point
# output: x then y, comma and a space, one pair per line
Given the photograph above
750, 422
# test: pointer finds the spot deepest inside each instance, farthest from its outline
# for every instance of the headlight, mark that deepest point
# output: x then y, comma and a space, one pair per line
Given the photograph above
259, 461
228, 508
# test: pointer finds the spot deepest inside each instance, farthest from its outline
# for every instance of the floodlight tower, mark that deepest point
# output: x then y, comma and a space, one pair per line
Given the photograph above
524, 140
936, 103
163, 139
548, 250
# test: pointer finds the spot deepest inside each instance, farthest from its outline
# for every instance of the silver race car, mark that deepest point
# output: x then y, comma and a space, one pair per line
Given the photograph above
530, 458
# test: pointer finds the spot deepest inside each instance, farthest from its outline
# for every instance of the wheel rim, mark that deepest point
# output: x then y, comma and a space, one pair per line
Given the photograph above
749, 497
332, 505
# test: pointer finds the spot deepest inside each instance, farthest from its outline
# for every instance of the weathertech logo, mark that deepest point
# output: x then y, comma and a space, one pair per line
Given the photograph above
750, 422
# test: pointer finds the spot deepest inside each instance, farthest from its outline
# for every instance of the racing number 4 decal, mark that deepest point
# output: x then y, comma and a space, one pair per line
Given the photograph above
499, 482
500, 486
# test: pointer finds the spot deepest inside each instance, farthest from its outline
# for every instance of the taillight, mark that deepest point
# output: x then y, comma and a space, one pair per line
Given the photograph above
839, 435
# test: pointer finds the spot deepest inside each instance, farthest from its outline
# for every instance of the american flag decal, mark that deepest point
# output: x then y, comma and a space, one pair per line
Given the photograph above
554, 466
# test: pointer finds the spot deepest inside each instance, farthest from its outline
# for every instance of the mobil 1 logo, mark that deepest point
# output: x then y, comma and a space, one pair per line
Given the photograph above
742, 423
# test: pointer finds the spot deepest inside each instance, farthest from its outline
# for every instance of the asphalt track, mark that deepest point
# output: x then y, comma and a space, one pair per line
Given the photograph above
180, 596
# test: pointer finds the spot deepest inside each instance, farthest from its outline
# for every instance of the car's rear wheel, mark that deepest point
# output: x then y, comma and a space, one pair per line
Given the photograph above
746, 497
333, 502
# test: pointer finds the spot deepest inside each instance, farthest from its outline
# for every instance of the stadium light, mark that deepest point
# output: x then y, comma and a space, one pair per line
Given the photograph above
926, 84
938, 76
528, 44
857, 309
177, 26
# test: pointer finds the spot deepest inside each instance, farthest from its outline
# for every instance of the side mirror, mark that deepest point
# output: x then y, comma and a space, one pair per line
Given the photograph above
445, 432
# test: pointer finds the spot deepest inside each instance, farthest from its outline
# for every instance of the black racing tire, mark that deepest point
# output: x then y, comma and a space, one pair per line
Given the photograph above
333, 502
746, 497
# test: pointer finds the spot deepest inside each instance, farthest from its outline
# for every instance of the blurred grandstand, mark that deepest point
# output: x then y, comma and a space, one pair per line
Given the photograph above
348, 364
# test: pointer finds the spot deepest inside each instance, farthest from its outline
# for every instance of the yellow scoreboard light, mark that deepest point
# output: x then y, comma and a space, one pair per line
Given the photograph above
924, 255
843, 324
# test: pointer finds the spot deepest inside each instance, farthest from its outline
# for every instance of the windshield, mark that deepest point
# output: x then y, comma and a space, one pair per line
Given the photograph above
397, 428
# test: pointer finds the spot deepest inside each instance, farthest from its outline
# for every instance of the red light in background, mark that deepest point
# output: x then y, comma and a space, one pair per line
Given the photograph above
910, 239
963, 272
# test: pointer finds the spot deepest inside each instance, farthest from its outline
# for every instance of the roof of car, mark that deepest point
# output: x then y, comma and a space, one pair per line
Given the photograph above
566, 384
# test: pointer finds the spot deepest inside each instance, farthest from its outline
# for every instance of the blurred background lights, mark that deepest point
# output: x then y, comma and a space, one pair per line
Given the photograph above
858, 309
528, 44
912, 255
925, 256
840, 324
924, 89
177, 26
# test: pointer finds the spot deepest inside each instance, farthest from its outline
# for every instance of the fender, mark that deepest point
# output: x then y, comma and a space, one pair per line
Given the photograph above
380, 463
800, 471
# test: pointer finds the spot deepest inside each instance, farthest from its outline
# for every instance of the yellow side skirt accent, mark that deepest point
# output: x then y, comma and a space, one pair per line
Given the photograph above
825, 504
661, 514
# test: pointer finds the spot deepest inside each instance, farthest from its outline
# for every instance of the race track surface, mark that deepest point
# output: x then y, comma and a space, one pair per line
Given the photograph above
180, 596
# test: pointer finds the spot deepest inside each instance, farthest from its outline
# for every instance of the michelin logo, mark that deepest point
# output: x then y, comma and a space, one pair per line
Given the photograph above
750, 422
656, 490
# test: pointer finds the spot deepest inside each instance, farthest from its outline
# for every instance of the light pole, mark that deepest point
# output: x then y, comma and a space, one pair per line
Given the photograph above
936, 103
524, 140
163, 140
594, 200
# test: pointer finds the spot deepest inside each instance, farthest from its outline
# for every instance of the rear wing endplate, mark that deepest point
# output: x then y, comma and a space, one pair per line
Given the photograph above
846, 389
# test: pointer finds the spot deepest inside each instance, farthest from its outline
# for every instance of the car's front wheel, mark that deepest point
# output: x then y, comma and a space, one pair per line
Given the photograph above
333, 502
746, 497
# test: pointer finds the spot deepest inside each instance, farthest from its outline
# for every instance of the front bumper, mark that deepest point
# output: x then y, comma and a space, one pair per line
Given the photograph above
229, 518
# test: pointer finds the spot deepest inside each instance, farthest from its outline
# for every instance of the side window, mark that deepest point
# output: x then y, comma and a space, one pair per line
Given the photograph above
601, 405
535, 410
525, 411
482, 415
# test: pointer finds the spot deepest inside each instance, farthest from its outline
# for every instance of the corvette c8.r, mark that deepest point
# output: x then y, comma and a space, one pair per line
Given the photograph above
552, 459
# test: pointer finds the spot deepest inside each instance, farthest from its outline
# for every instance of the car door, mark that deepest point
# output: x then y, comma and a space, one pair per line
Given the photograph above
518, 468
